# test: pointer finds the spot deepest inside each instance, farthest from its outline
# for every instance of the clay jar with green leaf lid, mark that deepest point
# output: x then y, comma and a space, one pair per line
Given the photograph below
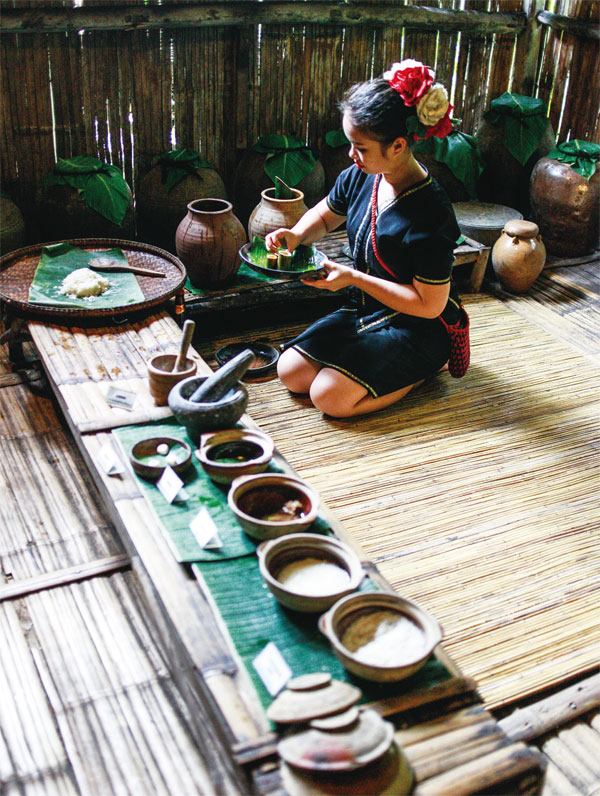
273, 212
512, 136
179, 177
565, 198
83, 197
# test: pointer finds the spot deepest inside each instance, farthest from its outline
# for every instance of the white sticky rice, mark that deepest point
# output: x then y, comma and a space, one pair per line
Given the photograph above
84, 283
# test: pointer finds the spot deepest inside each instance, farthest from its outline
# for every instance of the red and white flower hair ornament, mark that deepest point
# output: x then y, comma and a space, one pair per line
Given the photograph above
414, 82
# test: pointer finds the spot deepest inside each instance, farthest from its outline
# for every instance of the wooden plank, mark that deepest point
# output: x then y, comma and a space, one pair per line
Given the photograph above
542, 717
288, 12
486, 771
576, 26
63, 577
569, 751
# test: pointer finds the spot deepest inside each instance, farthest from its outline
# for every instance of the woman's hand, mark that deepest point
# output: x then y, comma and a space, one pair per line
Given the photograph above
282, 238
336, 277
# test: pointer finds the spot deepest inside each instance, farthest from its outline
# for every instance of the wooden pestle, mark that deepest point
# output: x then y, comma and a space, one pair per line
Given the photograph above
188, 332
223, 379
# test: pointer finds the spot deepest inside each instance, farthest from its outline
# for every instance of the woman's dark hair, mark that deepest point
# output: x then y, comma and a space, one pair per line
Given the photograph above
377, 110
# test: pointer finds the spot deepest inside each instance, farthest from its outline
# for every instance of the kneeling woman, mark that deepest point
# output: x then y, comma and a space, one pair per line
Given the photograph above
402, 232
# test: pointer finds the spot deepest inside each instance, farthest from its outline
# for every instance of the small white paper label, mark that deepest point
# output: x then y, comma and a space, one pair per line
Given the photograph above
124, 399
272, 669
169, 484
205, 531
109, 461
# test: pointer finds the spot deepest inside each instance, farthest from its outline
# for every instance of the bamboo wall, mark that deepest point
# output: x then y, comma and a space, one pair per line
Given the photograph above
127, 95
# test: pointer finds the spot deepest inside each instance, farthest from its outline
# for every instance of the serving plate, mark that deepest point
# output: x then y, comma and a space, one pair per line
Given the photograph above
266, 356
316, 270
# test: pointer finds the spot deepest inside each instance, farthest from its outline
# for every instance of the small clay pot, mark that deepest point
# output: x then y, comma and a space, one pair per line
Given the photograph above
199, 417
163, 378
271, 213
518, 256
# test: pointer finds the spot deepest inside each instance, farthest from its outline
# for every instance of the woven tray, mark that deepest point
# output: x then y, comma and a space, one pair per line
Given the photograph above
17, 270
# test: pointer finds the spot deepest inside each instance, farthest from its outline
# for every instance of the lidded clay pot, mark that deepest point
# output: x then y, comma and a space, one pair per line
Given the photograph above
271, 213
518, 256
565, 206
208, 240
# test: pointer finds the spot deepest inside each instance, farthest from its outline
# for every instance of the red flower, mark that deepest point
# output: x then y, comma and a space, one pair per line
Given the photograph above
442, 128
412, 82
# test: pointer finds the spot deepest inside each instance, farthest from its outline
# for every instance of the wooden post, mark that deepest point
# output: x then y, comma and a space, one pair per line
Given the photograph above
528, 47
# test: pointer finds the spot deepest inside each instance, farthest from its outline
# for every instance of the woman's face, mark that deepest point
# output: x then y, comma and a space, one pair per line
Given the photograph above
369, 155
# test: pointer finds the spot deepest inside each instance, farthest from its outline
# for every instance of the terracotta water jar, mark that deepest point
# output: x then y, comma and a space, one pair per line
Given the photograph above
208, 240
518, 256
565, 206
271, 213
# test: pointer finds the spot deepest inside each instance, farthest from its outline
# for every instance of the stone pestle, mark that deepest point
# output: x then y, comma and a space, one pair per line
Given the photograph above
223, 379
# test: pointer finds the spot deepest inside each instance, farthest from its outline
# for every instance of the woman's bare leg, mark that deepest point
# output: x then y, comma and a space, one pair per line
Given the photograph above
296, 371
340, 396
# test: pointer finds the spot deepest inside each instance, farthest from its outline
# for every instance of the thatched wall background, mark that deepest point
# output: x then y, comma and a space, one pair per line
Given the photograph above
128, 95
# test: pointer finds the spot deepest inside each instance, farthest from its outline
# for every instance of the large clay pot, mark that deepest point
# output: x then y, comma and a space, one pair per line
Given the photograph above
271, 213
208, 240
61, 213
159, 211
12, 226
504, 180
565, 206
251, 179
442, 173
518, 256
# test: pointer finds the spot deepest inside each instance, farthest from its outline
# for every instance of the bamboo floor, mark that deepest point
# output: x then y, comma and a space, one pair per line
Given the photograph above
478, 497
88, 702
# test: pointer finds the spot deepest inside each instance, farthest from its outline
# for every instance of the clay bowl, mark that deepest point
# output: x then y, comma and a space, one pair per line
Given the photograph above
225, 455
162, 378
271, 505
200, 417
380, 636
308, 572
149, 464
343, 742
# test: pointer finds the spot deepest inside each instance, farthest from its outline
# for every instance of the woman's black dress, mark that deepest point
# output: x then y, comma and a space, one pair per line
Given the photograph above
380, 348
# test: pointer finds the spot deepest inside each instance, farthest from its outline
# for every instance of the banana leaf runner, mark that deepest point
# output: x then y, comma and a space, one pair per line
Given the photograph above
202, 492
254, 618
60, 259
252, 615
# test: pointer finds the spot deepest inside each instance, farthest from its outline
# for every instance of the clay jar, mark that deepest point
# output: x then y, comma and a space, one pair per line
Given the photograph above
518, 256
208, 240
162, 378
271, 213
565, 206
12, 226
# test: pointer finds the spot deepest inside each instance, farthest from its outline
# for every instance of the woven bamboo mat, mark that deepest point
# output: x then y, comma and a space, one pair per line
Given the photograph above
476, 497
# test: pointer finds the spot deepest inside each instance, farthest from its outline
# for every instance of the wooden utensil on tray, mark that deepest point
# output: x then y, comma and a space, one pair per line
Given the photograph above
108, 264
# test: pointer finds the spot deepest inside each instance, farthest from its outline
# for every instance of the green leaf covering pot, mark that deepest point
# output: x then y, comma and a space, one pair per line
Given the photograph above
275, 156
84, 197
513, 135
459, 155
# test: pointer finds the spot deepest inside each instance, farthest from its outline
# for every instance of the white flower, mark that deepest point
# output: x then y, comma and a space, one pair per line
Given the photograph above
408, 63
433, 106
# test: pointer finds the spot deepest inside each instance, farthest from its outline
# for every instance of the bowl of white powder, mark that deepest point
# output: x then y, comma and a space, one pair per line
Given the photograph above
309, 572
380, 636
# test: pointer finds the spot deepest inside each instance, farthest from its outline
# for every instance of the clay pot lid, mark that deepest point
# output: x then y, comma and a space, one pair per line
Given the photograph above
518, 228
312, 696
353, 740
